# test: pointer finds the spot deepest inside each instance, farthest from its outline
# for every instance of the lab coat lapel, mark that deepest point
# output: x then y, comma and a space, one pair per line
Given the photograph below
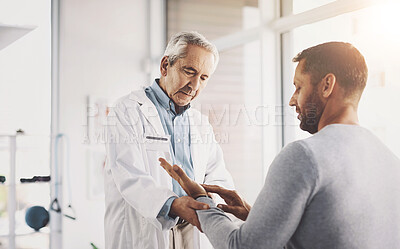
149, 111
196, 146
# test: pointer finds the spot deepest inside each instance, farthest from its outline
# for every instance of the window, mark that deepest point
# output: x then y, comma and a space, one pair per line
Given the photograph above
304, 5
212, 18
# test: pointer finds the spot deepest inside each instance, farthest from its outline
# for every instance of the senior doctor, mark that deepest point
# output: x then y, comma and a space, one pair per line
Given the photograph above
145, 209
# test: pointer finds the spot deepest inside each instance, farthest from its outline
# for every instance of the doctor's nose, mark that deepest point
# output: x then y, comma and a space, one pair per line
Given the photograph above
194, 83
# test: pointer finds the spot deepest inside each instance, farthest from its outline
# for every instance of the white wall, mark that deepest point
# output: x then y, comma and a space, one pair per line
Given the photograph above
25, 69
102, 47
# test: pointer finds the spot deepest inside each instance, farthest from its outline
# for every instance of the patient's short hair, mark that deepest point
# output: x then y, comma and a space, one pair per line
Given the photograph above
339, 58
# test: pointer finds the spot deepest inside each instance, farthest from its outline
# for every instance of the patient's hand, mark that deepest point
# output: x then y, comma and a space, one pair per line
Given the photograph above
191, 187
236, 205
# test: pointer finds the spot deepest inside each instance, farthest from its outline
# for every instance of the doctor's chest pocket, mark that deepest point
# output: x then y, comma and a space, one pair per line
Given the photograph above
156, 146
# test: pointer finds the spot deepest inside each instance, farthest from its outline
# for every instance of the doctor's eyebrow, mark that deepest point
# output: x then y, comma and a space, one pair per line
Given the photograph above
194, 71
189, 69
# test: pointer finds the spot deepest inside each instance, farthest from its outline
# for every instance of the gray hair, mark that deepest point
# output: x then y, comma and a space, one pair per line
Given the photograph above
176, 48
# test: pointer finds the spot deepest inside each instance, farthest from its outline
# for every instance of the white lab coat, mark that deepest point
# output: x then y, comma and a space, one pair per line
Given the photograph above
136, 186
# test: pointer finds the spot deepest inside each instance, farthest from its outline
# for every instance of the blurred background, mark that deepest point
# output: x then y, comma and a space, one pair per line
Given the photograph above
64, 62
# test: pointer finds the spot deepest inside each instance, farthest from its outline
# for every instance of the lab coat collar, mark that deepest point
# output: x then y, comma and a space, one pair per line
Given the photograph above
161, 96
148, 109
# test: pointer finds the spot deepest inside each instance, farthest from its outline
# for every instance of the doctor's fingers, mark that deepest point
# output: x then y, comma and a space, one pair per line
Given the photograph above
231, 197
194, 220
218, 190
197, 205
228, 209
238, 211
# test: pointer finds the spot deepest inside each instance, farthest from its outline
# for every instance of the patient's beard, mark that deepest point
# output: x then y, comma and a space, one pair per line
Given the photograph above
312, 113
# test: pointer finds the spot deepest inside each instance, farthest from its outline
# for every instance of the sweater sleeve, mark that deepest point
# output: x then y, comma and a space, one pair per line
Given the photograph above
277, 211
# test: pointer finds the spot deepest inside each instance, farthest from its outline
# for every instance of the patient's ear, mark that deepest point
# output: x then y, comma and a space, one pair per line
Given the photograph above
328, 83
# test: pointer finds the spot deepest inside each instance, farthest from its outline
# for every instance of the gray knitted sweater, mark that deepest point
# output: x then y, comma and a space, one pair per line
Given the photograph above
337, 189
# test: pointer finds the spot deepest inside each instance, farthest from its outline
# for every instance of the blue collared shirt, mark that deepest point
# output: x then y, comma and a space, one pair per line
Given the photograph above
178, 127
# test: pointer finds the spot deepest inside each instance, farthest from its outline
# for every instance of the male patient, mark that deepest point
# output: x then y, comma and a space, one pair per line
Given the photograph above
337, 189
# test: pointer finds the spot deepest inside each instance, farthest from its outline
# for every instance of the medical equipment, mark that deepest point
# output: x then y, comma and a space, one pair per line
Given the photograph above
55, 206
36, 179
37, 217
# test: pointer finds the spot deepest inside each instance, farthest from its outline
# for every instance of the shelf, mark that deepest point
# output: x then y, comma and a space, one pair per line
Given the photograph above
9, 34
27, 232
22, 148
18, 184
25, 139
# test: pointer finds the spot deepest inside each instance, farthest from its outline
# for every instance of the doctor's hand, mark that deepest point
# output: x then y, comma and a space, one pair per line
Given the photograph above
191, 187
185, 207
236, 204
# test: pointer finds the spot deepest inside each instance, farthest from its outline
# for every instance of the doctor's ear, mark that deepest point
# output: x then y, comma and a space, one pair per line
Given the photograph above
163, 66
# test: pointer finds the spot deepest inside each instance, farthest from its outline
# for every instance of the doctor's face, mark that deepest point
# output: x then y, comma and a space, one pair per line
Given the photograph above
187, 77
308, 103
